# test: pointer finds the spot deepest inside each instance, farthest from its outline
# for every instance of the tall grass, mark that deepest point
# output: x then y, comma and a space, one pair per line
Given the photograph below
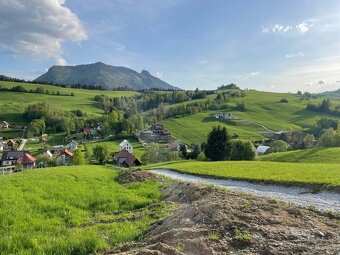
61, 210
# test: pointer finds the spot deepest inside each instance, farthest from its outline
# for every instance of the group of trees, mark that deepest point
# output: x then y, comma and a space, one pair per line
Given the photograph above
219, 146
38, 90
45, 116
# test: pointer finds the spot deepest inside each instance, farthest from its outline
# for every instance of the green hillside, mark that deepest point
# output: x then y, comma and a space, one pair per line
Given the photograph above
72, 210
13, 104
277, 172
262, 108
315, 155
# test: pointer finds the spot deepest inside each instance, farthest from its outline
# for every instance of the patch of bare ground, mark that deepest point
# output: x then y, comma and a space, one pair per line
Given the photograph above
137, 175
215, 221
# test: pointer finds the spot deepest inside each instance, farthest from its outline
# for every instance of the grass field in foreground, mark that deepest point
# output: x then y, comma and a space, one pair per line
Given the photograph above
13, 104
302, 173
71, 210
315, 155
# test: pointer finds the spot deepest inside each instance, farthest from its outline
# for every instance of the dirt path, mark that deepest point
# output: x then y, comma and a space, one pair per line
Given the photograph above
212, 221
324, 201
22, 144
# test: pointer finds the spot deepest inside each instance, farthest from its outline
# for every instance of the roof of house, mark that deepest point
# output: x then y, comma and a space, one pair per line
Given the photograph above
262, 148
13, 154
123, 143
28, 159
73, 142
49, 154
66, 152
10, 142
129, 158
4, 122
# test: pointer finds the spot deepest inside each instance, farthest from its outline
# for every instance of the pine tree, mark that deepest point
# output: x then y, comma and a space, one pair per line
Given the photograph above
218, 144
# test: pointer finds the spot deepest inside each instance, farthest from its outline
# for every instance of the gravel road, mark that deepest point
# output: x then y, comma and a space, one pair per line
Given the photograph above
323, 201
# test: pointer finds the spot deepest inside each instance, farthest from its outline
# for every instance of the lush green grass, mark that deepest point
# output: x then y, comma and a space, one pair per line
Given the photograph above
262, 108
315, 155
195, 128
302, 173
13, 104
113, 146
72, 210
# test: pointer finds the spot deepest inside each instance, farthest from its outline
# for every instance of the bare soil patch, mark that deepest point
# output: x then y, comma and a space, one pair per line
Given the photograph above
215, 221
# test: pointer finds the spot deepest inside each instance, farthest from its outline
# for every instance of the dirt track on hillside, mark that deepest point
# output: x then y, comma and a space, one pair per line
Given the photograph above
215, 221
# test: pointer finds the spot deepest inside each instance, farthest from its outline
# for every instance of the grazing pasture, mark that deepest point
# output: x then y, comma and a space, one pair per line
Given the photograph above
73, 210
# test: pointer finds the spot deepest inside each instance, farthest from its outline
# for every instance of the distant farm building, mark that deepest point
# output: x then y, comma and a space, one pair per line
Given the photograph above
156, 133
125, 145
261, 150
73, 145
223, 115
57, 149
4, 124
126, 159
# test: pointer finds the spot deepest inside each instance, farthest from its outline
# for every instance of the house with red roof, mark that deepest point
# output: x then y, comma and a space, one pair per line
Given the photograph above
65, 157
126, 159
11, 158
10, 143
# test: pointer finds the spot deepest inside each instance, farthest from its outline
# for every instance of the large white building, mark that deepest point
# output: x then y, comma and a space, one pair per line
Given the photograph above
125, 145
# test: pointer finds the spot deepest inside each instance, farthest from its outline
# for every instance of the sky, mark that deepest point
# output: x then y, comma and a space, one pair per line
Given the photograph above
270, 45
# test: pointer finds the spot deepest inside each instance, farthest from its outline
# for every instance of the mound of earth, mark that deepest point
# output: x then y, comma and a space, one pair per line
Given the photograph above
137, 176
215, 221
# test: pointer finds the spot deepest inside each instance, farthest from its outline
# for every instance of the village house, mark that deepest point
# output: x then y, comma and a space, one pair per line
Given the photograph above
11, 158
157, 133
126, 159
223, 115
73, 145
10, 143
4, 124
90, 132
64, 158
57, 149
125, 145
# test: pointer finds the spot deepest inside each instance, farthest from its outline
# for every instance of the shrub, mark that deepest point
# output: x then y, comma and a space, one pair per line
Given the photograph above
242, 150
284, 100
278, 146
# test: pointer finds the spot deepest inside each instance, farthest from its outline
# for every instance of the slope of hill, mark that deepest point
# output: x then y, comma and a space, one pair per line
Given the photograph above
315, 155
262, 108
13, 104
100, 74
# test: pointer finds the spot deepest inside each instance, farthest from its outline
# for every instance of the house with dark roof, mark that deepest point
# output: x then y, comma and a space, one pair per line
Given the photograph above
126, 159
11, 158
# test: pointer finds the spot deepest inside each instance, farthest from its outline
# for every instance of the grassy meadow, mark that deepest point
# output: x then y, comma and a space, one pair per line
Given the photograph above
13, 104
262, 108
113, 145
276, 172
73, 210
314, 155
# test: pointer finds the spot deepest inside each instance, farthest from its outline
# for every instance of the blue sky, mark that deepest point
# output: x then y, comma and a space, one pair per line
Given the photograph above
265, 45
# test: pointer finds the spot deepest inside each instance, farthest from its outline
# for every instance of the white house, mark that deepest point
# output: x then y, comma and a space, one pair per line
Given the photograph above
73, 145
261, 150
223, 115
4, 124
125, 145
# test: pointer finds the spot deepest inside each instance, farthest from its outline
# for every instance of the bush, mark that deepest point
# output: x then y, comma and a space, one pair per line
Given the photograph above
284, 100
242, 150
278, 146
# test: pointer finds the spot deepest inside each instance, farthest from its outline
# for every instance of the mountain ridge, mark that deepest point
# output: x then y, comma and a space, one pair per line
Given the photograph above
100, 74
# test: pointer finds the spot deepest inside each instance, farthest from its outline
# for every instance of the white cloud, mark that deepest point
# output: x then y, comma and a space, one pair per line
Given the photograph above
294, 55
203, 61
303, 27
281, 29
337, 81
38, 28
158, 75
248, 75
271, 86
